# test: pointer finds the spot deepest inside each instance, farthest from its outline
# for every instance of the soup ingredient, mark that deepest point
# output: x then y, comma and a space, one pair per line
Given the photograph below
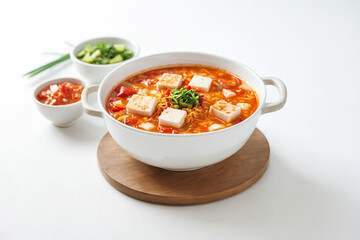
228, 93
104, 53
130, 120
216, 127
125, 92
141, 105
245, 87
218, 86
147, 126
229, 81
147, 82
172, 117
200, 82
118, 106
168, 80
225, 110
183, 98
47, 66
167, 129
119, 103
60, 94
244, 106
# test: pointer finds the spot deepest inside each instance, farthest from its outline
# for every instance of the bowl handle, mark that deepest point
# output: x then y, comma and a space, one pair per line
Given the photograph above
280, 86
91, 110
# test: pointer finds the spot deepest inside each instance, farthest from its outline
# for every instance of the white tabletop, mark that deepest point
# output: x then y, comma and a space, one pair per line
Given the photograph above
50, 184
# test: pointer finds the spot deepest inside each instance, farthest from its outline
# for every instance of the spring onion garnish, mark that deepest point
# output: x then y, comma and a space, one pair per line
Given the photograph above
47, 66
183, 98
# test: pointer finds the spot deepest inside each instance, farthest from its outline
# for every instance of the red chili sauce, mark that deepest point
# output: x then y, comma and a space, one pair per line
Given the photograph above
60, 93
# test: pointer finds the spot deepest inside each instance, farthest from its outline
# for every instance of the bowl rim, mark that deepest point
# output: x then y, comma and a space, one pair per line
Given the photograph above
52, 81
105, 113
75, 59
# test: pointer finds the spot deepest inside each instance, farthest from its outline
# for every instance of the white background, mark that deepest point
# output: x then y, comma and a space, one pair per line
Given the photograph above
50, 185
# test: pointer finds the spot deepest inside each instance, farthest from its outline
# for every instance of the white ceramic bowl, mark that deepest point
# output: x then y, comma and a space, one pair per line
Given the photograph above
94, 73
183, 151
59, 115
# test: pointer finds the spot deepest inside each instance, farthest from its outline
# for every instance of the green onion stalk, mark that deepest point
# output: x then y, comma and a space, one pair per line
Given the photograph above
47, 66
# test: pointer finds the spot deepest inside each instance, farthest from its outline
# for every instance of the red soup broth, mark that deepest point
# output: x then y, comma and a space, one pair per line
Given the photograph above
199, 119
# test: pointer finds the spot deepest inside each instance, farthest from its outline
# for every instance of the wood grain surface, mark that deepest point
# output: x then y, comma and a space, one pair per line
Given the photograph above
215, 182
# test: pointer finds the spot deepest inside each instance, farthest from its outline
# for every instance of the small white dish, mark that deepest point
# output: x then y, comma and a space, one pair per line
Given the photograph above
94, 73
59, 115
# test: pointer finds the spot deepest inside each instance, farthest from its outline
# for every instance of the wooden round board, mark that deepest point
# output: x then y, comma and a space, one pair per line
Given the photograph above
215, 182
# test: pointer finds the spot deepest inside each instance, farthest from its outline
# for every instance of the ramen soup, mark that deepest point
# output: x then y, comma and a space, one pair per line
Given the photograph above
182, 99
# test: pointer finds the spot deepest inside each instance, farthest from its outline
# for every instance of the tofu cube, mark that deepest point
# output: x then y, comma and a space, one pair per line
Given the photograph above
168, 80
147, 126
244, 106
172, 117
141, 105
228, 93
225, 110
215, 127
200, 82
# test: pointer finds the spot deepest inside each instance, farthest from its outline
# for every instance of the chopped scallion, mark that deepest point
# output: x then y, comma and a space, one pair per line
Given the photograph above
183, 98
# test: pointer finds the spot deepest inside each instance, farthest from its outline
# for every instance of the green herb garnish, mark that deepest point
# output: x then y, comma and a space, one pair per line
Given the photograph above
183, 98
47, 66
104, 53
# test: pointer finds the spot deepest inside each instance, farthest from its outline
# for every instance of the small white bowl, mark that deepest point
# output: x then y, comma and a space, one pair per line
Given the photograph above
94, 73
59, 115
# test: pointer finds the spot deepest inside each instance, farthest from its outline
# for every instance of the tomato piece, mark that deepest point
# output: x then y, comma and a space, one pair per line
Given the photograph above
63, 85
130, 120
125, 92
188, 87
168, 103
166, 129
197, 90
168, 92
41, 96
63, 88
115, 108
